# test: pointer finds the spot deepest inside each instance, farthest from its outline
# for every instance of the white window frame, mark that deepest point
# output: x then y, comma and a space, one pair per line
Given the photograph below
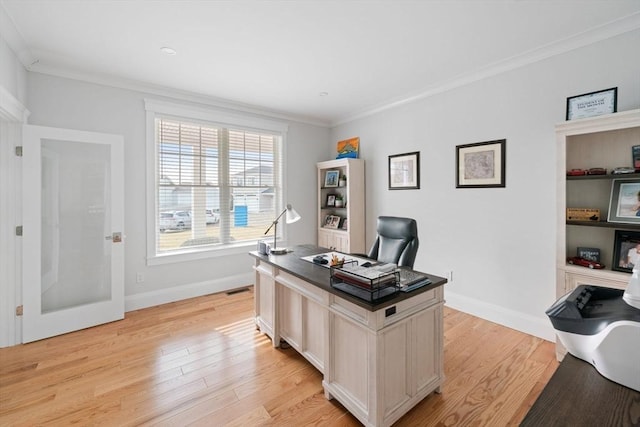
156, 108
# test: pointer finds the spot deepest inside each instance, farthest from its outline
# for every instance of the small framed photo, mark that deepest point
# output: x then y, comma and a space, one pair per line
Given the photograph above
332, 221
592, 104
626, 250
331, 178
481, 165
635, 154
624, 205
591, 254
331, 200
404, 171
345, 224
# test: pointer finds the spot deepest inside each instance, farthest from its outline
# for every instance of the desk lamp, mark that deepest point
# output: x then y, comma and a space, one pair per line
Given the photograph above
292, 216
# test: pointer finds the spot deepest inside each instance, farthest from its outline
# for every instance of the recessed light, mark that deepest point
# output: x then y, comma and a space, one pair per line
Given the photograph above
324, 93
168, 50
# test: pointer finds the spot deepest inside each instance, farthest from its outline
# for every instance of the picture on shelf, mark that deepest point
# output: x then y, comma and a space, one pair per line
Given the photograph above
624, 205
331, 200
591, 254
626, 250
331, 221
345, 225
331, 178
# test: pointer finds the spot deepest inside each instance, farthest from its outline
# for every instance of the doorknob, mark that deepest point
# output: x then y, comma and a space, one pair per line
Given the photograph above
116, 237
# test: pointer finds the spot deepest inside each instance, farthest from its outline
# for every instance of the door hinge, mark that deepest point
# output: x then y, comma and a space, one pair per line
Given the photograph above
19, 150
19, 310
19, 230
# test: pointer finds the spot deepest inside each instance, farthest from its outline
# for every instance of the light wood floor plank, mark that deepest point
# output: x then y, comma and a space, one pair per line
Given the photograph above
201, 362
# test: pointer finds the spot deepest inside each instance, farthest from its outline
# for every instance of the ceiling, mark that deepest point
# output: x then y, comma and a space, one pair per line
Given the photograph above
323, 62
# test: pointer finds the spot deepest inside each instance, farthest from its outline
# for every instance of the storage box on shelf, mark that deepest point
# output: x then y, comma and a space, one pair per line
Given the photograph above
341, 216
598, 142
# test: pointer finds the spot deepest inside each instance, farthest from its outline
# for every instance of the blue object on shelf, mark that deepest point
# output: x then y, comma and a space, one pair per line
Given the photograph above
241, 216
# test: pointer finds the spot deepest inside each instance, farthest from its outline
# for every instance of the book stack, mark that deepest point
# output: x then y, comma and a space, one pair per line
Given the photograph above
364, 277
411, 279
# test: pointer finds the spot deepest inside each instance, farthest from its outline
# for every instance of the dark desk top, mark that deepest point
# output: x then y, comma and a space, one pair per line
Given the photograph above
320, 276
577, 395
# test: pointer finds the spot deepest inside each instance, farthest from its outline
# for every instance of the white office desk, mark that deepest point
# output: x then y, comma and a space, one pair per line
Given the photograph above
378, 359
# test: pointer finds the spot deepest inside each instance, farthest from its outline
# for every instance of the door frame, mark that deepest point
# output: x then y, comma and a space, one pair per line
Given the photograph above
12, 116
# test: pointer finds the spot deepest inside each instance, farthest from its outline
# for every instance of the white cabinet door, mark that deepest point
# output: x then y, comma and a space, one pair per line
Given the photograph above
291, 317
73, 241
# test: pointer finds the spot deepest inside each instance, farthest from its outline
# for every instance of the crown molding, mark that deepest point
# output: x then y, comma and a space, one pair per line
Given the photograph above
603, 32
168, 92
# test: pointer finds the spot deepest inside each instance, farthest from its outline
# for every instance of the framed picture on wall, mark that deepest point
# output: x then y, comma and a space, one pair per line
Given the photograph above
404, 171
481, 164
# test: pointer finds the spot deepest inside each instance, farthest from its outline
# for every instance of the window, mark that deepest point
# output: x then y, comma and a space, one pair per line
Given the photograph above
216, 185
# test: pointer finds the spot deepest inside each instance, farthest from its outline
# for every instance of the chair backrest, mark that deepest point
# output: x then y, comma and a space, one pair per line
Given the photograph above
397, 241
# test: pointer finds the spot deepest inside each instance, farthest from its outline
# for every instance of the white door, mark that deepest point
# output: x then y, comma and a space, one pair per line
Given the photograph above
73, 241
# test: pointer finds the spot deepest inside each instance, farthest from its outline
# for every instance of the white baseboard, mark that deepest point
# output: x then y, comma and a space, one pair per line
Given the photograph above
177, 293
536, 326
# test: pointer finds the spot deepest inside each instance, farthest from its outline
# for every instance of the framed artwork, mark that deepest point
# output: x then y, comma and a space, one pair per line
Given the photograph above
331, 200
592, 104
404, 171
481, 165
626, 250
345, 224
348, 148
624, 204
331, 178
332, 221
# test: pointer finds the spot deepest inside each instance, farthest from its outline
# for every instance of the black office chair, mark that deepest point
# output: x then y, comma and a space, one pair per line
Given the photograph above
397, 241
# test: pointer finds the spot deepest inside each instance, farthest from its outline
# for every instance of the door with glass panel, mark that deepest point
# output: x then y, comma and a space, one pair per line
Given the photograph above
73, 241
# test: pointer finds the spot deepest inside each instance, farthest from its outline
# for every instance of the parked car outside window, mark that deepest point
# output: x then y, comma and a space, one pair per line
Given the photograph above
212, 217
174, 220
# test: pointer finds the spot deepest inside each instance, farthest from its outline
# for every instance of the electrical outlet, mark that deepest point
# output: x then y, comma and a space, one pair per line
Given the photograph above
139, 277
450, 276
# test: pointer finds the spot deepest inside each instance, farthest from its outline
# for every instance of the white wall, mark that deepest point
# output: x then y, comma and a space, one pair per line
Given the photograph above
498, 242
66, 103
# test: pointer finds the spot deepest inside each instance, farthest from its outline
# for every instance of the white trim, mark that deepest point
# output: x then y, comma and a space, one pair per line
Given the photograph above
181, 292
12, 116
10, 289
214, 115
199, 253
11, 109
531, 325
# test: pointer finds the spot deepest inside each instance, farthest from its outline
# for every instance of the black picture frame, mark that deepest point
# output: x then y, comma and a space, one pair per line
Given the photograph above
481, 164
591, 254
592, 104
404, 171
624, 203
331, 200
625, 242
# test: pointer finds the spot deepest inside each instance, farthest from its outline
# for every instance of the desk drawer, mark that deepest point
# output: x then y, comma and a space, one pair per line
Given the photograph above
305, 289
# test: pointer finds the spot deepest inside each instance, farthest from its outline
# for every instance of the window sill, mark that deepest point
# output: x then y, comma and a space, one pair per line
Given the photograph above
198, 254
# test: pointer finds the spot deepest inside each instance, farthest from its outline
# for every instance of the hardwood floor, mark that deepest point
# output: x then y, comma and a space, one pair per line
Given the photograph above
201, 362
